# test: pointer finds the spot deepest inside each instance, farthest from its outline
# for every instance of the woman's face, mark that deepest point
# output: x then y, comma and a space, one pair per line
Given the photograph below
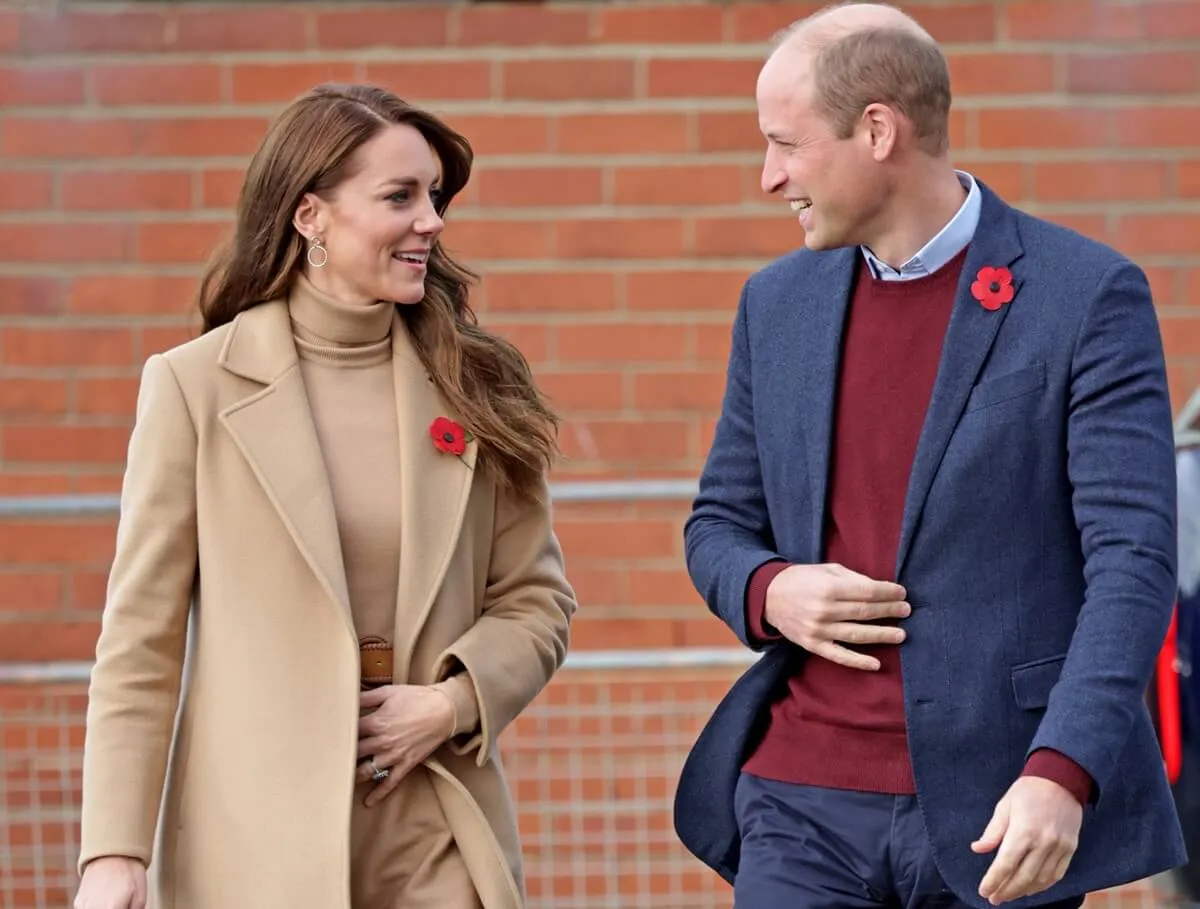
379, 224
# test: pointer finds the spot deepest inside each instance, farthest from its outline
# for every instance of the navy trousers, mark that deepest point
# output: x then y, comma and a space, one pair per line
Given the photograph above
803, 846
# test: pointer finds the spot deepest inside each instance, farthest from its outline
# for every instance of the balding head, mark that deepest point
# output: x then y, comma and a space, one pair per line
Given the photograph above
858, 54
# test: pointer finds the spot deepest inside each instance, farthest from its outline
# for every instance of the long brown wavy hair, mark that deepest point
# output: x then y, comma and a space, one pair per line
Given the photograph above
310, 149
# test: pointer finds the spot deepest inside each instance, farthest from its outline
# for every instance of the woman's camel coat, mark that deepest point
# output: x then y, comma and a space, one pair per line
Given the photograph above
227, 519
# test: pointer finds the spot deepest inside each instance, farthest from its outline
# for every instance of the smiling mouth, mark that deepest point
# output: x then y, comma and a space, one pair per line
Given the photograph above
800, 205
412, 258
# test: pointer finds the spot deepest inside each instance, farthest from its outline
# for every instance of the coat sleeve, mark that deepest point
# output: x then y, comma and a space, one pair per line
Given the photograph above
521, 638
1121, 465
728, 534
135, 683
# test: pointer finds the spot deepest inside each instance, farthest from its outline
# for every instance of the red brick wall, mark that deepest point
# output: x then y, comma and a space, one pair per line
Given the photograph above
615, 211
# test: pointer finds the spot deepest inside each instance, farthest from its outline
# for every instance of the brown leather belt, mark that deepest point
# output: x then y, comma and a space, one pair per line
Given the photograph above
376, 659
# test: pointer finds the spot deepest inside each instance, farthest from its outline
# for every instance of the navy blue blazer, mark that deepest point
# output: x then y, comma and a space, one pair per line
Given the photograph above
1038, 544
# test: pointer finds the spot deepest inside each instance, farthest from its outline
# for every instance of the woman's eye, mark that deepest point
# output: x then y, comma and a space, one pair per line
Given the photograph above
400, 196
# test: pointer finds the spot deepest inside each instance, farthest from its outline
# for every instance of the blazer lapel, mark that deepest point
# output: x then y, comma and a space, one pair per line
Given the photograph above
434, 488
821, 307
274, 431
969, 338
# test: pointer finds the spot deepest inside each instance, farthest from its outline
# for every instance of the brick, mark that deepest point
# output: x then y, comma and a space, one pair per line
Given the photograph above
1157, 73
503, 134
220, 188
621, 133
434, 80
656, 391
1161, 234
1071, 20
29, 592
126, 190
625, 633
33, 484
651, 23
410, 25
10, 30
166, 337
614, 238
956, 23
201, 137
82, 31
88, 591
65, 347
173, 243
624, 443
546, 186
31, 295
480, 239
1040, 128
550, 291
96, 482
681, 185
521, 26
746, 236
64, 242
1173, 20
1156, 127
40, 86
57, 137
1187, 178
256, 83
1005, 178
712, 343
567, 80
729, 132
26, 397
64, 444
1192, 287
262, 27
1181, 336
109, 397
614, 539
28, 641
26, 190
131, 294
697, 77
1002, 74
1164, 283
625, 342
119, 84
760, 21
1090, 225
584, 392
532, 340
672, 290
1099, 181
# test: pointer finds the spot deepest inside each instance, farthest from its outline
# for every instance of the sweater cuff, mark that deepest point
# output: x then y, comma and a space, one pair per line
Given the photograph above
461, 692
1056, 766
756, 601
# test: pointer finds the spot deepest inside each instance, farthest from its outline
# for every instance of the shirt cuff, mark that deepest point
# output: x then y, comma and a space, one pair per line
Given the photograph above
756, 601
1056, 766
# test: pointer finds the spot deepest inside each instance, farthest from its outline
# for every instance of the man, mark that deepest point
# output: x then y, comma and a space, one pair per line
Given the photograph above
941, 499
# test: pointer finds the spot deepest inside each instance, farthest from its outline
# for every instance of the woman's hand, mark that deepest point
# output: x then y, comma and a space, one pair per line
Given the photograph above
112, 882
407, 723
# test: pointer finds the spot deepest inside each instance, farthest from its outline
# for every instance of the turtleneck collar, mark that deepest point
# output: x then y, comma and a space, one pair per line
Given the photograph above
327, 321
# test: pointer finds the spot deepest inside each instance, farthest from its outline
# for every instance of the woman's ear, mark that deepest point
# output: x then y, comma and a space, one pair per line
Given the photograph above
308, 217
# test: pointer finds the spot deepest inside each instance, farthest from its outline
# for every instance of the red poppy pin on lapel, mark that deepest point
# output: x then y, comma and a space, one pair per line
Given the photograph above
449, 437
993, 288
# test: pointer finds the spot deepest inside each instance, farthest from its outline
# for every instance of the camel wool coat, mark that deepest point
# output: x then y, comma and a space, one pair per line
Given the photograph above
224, 703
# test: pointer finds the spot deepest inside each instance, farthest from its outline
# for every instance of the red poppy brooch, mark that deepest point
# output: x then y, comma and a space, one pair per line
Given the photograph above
449, 437
993, 288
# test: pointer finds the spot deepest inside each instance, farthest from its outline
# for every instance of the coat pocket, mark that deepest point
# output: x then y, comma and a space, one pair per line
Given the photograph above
1032, 682
1024, 381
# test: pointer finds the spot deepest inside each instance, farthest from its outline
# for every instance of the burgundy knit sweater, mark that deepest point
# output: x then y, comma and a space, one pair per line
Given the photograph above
844, 728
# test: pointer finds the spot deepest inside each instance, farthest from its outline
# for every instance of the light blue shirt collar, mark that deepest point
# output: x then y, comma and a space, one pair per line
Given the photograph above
948, 243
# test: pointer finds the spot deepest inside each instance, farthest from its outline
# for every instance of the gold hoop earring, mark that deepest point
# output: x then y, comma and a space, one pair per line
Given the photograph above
317, 254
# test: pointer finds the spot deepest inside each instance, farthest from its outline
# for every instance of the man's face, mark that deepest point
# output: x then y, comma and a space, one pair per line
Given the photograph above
832, 184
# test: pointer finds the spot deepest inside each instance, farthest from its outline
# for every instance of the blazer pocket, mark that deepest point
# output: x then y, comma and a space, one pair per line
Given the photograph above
1033, 681
1006, 387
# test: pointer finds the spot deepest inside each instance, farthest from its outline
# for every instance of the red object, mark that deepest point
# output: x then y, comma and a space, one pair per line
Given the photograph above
844, 728
993, 288
448, 436
1170, 723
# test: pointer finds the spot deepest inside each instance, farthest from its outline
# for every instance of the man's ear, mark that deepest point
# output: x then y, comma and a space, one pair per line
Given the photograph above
309, 216
882, 128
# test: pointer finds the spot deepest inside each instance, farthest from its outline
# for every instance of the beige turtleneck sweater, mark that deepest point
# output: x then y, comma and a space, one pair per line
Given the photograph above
346, 362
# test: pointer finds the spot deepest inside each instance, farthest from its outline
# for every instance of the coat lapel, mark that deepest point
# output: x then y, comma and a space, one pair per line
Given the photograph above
434, 488
969, 338
274, 431
822, 306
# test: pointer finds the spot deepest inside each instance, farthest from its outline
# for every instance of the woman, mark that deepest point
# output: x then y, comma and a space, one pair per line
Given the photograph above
341, 484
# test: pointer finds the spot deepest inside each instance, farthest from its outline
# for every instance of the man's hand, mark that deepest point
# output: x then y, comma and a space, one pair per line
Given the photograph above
1036, 825
818, 606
